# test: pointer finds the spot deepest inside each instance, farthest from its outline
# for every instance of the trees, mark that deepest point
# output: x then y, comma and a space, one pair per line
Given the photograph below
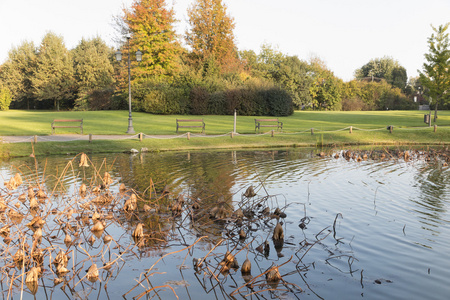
384, 68
53, 78
150, 24
211, 34
435, 74
17, 72
93, 69
326, 89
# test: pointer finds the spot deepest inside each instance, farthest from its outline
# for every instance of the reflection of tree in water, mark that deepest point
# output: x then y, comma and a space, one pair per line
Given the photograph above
433, 184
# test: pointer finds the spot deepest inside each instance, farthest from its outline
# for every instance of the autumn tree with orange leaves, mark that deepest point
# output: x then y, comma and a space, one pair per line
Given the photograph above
211, 36
150, 24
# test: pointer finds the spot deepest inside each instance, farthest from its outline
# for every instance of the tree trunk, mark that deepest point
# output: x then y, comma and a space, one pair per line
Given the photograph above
435, 111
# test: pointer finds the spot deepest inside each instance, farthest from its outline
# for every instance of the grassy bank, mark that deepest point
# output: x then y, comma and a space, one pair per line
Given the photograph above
333, 139
330, 129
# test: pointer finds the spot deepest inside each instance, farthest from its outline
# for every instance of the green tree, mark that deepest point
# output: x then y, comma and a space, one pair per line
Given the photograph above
53, 79
293, 75
384, 68
5, 98
93, 69
211, 34
435, 74
18, 71
150, 23
326, 89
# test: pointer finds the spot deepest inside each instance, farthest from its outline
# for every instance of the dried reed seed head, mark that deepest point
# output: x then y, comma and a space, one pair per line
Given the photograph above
83, 188
33, 202
61, 269
249, 192
37, 236
138, 231
5, 230
242, 234
92, 273
33, 274
22, 198
61, 259
122, 187
91, 240
107, 239
107, 180
246, 267
84, 160
273, 275
30, 192
278, 232
41, 194
95, 216
67, 239
98, 226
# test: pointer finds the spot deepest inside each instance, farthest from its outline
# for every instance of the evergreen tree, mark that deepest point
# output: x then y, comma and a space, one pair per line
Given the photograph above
93, 69
53, 79
17, 72
435, 75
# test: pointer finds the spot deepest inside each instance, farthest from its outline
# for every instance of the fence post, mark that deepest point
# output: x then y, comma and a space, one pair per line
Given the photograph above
35, 139
188, 135
234, 127
232, 134
312, 131
140, 136
351, 129
272, 133
435, 127
90, 137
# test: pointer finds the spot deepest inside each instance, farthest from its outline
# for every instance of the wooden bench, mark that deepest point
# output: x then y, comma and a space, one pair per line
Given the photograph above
202, 125
67, 126
272, 123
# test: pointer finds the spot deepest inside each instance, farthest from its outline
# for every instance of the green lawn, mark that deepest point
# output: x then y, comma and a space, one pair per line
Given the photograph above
22, 122
409, 129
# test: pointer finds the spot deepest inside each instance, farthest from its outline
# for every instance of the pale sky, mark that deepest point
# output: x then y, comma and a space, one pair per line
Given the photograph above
345, 34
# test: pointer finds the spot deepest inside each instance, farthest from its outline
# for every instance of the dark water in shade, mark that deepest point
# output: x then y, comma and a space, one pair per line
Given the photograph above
388, 225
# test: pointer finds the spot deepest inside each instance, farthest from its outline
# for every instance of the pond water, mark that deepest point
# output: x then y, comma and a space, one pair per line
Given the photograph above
373, 229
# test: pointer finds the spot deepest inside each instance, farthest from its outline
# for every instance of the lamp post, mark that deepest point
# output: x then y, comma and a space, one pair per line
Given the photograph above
138, 58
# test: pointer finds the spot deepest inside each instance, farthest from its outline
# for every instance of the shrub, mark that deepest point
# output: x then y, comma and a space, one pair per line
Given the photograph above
279, 102
199, 98
353, 104
5, 98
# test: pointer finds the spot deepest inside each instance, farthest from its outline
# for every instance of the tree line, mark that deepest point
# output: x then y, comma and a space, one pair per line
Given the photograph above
206, 75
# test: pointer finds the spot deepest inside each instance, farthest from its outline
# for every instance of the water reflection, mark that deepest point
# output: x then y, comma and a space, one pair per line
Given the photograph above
394, 213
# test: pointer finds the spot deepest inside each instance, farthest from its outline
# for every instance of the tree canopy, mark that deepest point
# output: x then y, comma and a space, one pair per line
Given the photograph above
150, 24
435, 74
53, 79
384, 68
211, 34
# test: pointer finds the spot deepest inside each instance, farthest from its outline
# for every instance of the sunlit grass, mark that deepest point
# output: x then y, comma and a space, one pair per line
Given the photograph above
330, 128
23, 122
